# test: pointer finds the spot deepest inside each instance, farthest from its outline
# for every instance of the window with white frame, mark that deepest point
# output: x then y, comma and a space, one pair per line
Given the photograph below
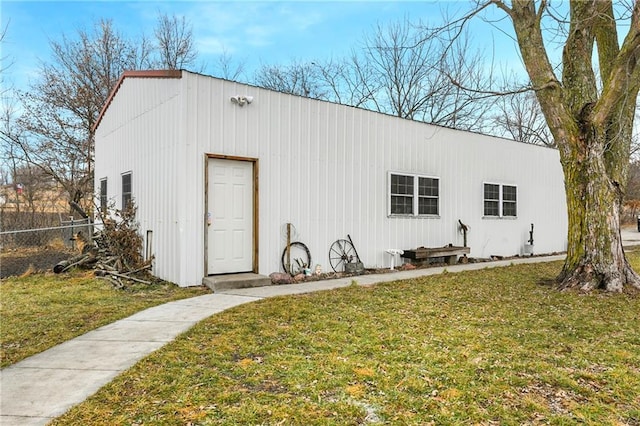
509, 201
126, 190
500, 200
103, 195
413, 195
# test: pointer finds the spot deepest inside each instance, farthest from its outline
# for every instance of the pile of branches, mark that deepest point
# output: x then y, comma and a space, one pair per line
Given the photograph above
114, 252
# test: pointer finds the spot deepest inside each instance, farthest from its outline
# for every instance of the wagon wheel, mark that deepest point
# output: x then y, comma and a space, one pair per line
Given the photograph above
300, 257
341, 252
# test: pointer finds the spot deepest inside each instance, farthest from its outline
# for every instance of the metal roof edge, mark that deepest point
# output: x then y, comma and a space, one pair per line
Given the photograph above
134, 74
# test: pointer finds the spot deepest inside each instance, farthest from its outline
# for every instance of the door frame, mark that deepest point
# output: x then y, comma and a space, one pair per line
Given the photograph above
255, 221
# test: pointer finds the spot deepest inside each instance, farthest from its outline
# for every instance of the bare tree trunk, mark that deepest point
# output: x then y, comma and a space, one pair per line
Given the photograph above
591, 126
595, 255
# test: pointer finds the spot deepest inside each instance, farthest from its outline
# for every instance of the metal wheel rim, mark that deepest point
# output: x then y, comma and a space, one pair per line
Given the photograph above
295, 267
340, 253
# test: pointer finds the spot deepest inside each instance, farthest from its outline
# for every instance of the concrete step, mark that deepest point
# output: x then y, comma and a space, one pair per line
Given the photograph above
233, 281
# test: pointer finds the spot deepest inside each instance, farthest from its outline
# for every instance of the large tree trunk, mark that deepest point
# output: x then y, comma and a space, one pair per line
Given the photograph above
595, 255
591, 119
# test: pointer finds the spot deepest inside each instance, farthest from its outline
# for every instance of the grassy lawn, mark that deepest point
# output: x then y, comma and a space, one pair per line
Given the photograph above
43, 310
496, 346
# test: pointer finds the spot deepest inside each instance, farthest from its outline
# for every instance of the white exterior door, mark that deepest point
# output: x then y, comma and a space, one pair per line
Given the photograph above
230, 216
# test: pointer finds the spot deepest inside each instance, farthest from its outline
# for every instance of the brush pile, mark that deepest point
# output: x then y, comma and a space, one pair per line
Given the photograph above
114, 252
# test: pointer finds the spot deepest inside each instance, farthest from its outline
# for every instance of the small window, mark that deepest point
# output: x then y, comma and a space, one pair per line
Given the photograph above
509, 201
413, 195
401, 194
103, 195
500, 200
427, 195
126, 190
491, 200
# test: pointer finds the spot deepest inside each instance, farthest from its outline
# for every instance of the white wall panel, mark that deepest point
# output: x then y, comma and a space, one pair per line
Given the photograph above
138, 134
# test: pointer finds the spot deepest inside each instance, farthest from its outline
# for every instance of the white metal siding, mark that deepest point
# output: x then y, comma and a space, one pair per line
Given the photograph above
322, 167
141, 134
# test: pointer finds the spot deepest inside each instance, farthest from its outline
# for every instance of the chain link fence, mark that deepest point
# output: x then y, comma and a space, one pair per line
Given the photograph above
69, 234
40, 249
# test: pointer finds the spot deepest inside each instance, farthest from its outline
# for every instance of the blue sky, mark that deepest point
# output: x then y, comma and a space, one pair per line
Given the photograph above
264, 32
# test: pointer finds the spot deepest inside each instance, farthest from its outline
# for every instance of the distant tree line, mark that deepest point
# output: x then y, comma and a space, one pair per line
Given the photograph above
399, 69
47, 129
409, 71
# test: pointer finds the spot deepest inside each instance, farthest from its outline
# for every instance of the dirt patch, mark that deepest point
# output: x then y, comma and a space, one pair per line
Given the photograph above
557, 400
17, 262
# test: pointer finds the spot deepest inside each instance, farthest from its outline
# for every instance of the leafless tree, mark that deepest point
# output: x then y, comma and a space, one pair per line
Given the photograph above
297, 78
635, 139
227, 68
174, 43
11, 154
633, 185
5, 61
349, 81
417, 76
62, 106
38, 192
7, 158
27, 192
632, 188
60, 109
403, 68
453, 105
518, 117
400, 69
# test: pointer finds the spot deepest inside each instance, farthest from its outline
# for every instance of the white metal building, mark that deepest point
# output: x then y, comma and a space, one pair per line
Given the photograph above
217, 169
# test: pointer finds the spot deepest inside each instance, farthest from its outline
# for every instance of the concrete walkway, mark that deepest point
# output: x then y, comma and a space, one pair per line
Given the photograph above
46, 385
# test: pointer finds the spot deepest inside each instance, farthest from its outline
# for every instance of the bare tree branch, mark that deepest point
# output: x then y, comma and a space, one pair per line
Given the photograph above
174, 38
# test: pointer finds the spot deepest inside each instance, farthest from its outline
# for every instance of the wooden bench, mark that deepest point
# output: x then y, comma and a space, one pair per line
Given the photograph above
449, 252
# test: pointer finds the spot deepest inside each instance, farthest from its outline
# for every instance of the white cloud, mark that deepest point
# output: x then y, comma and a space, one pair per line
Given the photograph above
259, 35
214, 45
237, 26
302, 18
